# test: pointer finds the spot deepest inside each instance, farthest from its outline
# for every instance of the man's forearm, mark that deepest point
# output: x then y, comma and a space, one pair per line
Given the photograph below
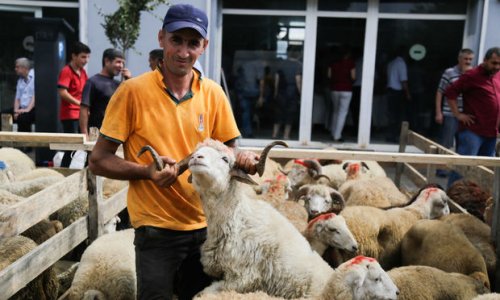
66, 96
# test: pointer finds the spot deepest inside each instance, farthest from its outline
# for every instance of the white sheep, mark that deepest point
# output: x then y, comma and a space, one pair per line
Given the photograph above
489, 296
250, 246
428, 283
320, 198
378, 191
379, 232
306, 171
444, 246
29, 187
107, 269
16, 161
38, 173
330, 230
361, 278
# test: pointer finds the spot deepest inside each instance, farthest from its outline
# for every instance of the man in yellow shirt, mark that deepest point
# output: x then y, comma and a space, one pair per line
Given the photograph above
171, 108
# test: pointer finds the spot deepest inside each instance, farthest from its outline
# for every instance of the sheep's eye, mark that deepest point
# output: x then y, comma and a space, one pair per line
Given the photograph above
225, 159
336, 201
333, 230
377, 279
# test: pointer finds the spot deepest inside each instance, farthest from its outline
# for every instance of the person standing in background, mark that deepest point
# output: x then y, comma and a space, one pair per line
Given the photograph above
398, 93
155, 58
342, 73
443, 115
99, 89
480, 118
287, 88
72, 79
24, 102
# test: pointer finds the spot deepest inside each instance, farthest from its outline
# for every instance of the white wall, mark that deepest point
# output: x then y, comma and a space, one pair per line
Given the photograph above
137, 60
492, 38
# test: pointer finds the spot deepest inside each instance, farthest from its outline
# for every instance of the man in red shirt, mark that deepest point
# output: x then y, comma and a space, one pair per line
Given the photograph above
72, 79
480, 119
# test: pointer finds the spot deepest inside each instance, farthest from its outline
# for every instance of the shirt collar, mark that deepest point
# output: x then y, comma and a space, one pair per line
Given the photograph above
195, 84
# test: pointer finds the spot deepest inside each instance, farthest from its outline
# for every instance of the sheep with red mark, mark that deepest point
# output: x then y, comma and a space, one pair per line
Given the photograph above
319, 199
444, 246
307, 171
428, 283
380, 192
360, 278
330, 230
379, 232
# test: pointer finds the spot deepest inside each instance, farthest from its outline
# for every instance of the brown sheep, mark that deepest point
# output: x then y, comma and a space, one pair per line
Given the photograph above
470, 196
441, 245
428, 283
479, 234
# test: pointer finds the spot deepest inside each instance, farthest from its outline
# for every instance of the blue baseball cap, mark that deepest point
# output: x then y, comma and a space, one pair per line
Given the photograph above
185, 16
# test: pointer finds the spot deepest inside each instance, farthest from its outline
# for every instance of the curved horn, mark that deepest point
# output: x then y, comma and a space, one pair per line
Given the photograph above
302, 192
156, 157
322, 176
182, 166
363, 164
313, 166
345, 165
263, 156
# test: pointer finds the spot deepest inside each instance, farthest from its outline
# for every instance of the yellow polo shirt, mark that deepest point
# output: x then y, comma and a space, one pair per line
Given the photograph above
142, 112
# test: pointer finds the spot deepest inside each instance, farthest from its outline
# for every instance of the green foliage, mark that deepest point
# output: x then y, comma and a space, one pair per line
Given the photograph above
123, 26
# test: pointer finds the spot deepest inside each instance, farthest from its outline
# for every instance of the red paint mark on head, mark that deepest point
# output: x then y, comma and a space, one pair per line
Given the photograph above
299, 162
353, 169
428, 192
359, 259
281, 177
320, 218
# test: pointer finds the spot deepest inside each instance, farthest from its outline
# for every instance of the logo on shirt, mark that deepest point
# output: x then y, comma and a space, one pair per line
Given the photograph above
201, 127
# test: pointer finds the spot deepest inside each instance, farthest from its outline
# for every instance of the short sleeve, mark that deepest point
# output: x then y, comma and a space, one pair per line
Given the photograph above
87, 93
64, 78
119, 115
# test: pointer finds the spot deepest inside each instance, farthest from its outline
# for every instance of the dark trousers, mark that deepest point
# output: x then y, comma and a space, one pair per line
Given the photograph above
396, 109
25, 120
69, 126
167, 262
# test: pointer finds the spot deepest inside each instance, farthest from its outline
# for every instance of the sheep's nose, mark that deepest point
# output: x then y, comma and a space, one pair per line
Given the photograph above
397, 292
198, 156
354, 248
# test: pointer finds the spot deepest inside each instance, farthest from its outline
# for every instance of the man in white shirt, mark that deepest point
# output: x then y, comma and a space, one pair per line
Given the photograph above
398, 93
24, 103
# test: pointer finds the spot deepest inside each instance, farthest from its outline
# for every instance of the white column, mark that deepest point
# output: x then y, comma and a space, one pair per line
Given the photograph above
368, 76
83, 21
309, 61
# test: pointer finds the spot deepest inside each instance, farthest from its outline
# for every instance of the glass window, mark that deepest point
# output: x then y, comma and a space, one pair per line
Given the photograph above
423, 7
416, 50
339, 50
343, 5
262, 56
265, 4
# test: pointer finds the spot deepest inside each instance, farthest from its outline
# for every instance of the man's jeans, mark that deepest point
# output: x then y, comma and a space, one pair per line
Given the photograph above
469, 143
167, 258
449, 131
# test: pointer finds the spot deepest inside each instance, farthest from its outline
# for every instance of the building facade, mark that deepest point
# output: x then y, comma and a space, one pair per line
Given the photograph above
249, 42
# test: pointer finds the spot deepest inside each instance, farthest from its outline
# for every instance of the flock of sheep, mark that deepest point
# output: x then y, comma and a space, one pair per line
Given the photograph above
304, 230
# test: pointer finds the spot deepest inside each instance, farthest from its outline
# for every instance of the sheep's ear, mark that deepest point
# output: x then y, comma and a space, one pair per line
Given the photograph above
355, 277
241, 176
